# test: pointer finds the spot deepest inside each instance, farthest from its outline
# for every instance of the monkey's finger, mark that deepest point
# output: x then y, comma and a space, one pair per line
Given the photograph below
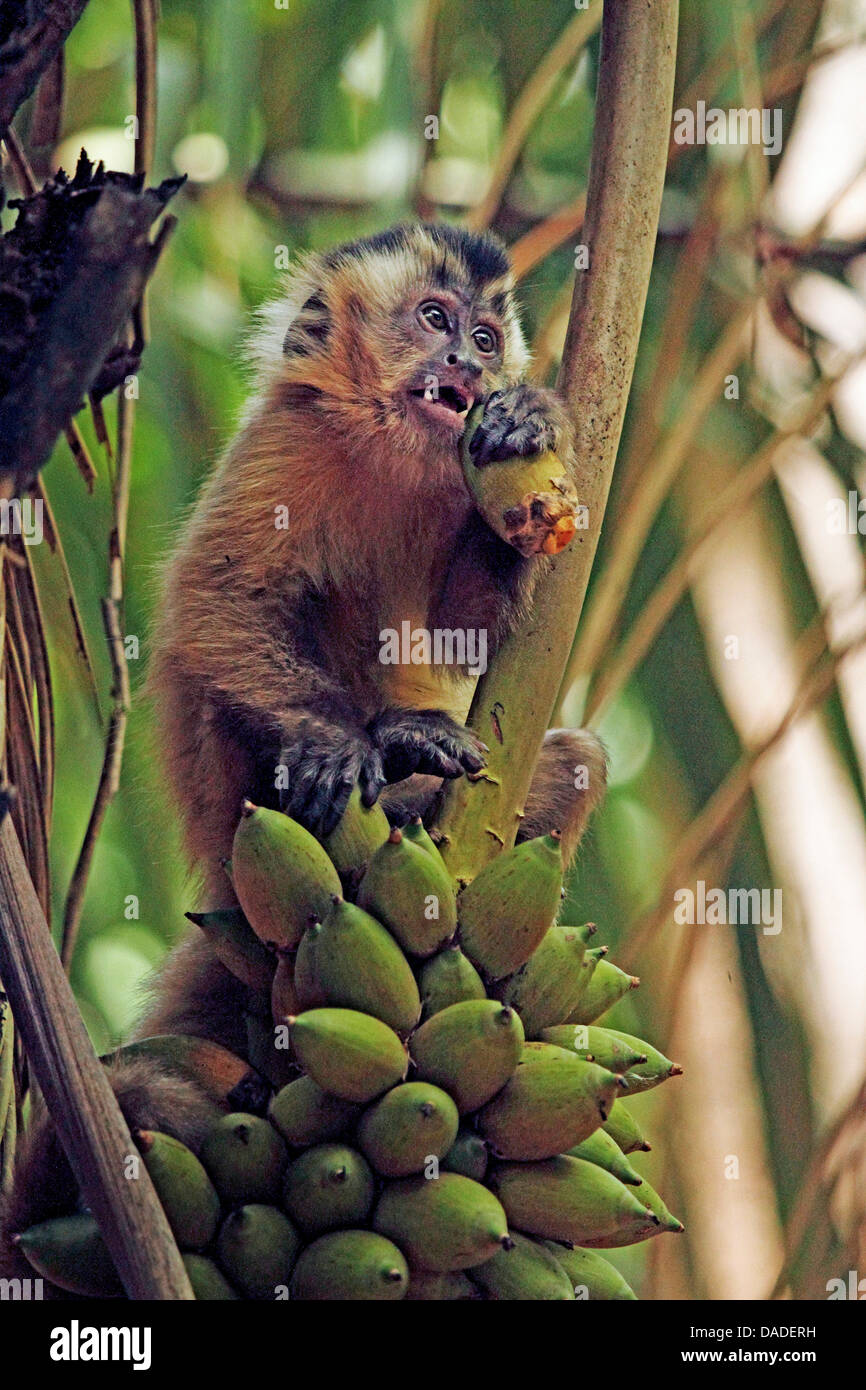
462, 747
335, 796
435, 761
372, 778
302, 788
337, 775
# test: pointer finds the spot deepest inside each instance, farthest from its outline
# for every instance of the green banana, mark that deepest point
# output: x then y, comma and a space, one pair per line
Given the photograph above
440, 1288
449, 977
591, 1276
245, 1159
208, 1282
235, 943
281, 875
647, 1194
652, 1070
606, 988
528, 500
624, 1128
355, 1266
410, 1125
348, 1053
70, 1252
506, 911
357, 835
469, 1049
308, 986
548, 1105
601, 1149
328, 1187
304, 1114
549, 985
468, 1155
443, 1223
188, 1196
598, 1045
257, 1247
284, 993
360, 966
593, 956
415, 832
569, 1199
528, 1271
586, 932
411, 893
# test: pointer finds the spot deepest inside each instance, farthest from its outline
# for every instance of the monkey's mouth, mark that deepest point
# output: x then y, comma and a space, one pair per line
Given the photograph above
448, 406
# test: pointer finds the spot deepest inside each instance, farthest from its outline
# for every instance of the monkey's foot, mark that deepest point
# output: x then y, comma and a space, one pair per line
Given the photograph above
425, 741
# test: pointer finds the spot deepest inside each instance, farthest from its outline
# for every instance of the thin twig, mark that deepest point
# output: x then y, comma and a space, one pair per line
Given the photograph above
686, 289
807, 1206
553, 231
112, 617
52, 536
426, 65
112, 606
730, 798
145, 15
613, 674
651, 489
528, 107
537, 244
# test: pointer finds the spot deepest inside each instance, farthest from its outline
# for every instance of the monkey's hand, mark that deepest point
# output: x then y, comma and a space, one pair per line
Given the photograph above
323, 764
427, 741
518, 422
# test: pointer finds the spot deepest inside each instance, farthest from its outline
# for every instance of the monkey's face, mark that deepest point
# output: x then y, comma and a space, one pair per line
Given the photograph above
454, 357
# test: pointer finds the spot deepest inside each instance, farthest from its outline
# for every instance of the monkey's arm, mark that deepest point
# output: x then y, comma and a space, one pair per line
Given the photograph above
246, 694
490, 585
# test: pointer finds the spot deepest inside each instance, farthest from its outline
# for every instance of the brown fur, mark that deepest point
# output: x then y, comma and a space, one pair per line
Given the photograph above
44, 1186
268, 637
264, 628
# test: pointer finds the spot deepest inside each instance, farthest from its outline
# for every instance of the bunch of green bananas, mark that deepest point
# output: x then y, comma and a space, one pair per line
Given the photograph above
439, 1114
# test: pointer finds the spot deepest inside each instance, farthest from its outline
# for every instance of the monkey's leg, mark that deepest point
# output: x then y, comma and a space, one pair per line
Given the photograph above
568, 784
44, 1186
194, 993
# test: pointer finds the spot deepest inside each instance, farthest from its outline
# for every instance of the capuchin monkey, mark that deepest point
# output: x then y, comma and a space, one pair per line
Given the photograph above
339, 512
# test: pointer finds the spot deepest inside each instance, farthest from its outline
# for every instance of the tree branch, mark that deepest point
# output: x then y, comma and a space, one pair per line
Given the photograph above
633, 104
28, 52
104, 275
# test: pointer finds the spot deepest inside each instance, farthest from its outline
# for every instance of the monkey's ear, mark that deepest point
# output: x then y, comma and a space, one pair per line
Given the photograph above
310, 329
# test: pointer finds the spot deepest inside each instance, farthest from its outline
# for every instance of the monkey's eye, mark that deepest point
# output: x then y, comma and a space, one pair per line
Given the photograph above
434, 317
485, 340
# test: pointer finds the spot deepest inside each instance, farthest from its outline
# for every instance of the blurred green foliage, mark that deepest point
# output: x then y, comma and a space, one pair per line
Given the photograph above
300, 126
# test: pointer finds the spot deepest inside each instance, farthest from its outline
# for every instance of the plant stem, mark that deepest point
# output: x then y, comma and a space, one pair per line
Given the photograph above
515, 697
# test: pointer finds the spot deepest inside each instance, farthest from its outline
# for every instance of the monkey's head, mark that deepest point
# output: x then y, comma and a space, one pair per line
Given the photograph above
395, 335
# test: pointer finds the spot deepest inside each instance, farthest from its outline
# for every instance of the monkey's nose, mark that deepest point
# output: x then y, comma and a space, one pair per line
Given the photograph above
465, 364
